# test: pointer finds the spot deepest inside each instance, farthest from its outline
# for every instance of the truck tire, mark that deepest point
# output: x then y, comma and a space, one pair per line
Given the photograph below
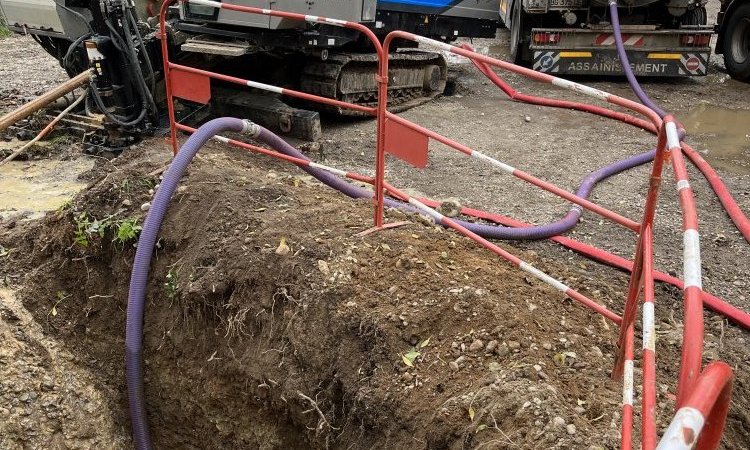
736, 43
520, 33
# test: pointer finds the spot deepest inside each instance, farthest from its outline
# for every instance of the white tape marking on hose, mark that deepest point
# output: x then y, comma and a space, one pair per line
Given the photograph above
338, 172
311, 18
222, 139
429, 211
676, 437
433, 42
692, 259
265, 87
627, 383
206, 3
338, 22
500, 165
673, 138
266, 11
682, 184
582, 88
543, 276
649, 327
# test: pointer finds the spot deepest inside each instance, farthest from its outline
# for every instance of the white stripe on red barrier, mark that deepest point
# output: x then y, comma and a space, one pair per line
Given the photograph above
265, 87
429, 211
583, 89
682, 184
222, 139
683, 432
500, 165
338, 22
543, 276
205, 3
433, 42
673, 139
627, 383
311, 18
649, 327
333, 170
692, 259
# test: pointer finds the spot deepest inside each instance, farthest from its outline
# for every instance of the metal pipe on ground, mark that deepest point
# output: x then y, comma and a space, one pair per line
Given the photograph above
46, 129
43, 100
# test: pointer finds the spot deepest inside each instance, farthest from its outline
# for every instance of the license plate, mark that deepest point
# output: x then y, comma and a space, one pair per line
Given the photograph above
567, 3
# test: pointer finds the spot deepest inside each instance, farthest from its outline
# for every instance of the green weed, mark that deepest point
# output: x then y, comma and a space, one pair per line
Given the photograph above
126, 230
87, 227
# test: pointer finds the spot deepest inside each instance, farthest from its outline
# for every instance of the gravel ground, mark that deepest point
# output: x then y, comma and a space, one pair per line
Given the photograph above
26, 70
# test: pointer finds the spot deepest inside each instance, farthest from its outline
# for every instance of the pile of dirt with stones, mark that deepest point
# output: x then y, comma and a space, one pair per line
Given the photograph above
271, 324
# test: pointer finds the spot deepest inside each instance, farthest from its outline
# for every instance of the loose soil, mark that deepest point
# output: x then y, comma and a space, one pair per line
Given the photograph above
249, 348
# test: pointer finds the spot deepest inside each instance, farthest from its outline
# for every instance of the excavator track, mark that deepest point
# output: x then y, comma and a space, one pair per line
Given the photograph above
414, 77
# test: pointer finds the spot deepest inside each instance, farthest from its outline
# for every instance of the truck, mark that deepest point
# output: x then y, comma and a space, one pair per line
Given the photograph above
576, 37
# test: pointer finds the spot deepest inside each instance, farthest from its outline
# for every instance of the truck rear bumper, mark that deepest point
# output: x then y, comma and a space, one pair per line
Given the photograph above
651, 52
606, 62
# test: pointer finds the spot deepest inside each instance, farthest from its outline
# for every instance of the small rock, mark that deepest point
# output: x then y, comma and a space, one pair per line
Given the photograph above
527, 119
502, 350
558, 422
323, 267
491, 346
547, 346
127, 203
407, 377
514, 345
571, 429
476, 345
454, 365
146, 206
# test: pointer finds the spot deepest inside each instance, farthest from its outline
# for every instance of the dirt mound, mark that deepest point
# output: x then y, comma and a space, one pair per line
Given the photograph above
269, 324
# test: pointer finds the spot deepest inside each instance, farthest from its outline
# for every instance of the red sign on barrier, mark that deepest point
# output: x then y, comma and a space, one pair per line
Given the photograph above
191, 86
406, 144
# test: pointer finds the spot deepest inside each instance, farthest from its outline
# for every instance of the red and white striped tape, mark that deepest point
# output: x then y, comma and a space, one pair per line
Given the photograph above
632, 40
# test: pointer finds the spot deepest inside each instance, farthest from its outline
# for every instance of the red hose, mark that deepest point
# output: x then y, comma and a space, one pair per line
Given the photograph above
717, 184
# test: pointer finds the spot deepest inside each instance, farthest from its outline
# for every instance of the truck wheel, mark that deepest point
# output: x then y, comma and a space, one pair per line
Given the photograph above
736, 43
519, 36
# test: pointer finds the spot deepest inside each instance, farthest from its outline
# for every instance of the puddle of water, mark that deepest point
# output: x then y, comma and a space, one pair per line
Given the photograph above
725, 135
36, 187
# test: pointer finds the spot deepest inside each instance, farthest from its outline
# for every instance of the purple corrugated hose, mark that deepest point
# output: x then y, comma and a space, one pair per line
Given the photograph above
637, 89
487, 231
142, 264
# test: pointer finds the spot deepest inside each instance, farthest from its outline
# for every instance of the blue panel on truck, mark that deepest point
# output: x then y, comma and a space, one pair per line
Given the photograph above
477, 9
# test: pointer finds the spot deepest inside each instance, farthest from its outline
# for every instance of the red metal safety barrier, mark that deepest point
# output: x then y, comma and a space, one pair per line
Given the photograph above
703, 396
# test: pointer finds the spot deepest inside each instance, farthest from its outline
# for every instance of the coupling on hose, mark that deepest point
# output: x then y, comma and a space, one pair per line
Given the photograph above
251, 128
